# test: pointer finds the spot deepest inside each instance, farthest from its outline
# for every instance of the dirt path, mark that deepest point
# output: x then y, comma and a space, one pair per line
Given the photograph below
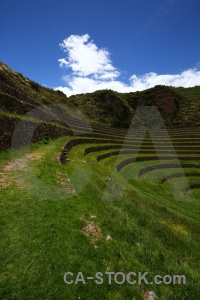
7, 174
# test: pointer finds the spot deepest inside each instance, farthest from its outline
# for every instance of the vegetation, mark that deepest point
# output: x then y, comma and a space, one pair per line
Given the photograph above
35, 85
45, 233
54, 217
179, 107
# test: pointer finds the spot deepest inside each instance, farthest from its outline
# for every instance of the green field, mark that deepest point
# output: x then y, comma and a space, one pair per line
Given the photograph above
54, 220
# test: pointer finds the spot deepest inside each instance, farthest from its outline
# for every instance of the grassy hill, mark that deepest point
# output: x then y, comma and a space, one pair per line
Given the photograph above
86, 197
178, 106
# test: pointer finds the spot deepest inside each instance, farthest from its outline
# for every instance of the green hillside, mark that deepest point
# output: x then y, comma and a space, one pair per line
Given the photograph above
178, 106
89, 196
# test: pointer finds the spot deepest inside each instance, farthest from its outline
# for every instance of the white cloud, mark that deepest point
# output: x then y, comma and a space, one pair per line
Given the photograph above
79, 85
187, 78
85, 59
92, 70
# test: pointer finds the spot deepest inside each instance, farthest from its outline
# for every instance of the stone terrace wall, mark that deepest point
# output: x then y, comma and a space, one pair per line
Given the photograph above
29, 131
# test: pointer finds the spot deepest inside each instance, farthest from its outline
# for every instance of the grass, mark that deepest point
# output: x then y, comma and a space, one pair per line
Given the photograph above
43, 239
52, 216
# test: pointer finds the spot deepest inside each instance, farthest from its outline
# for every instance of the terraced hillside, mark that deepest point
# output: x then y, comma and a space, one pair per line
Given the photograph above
91, 198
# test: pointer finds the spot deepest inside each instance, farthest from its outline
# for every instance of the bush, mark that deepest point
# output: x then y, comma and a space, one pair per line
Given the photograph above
34, 85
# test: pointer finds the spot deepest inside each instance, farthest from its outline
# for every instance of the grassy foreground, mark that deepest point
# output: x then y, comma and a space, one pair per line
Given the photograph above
53, 220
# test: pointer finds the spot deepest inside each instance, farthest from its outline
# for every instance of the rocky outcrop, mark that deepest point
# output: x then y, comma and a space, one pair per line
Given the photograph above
164, 98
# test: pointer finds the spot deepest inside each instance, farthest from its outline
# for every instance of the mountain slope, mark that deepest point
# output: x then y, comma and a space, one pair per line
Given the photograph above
178, 106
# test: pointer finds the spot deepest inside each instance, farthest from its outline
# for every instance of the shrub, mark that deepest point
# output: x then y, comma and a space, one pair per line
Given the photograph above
34, 85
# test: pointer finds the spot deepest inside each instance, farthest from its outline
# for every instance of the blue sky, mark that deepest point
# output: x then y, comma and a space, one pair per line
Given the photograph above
124, 45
